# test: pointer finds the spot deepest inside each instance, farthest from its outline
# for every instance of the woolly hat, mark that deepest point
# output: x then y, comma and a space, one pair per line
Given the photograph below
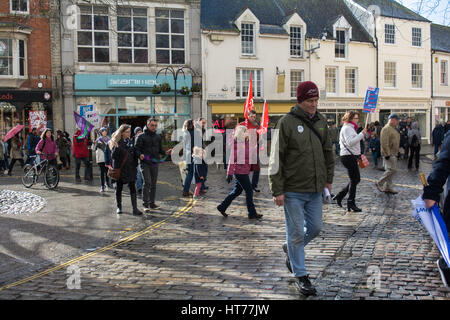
102, 129
306, 90
137, 129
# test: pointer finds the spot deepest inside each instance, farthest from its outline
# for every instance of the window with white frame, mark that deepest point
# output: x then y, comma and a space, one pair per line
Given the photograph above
243, 82
331, 79
296, 42
6, 57
389, 33
132, 36
341, 44
12, 58
93, 35
170, 36
417, 75
444, 73
19, 6
416, 37
350, 80
390, 74
297, 76
248, 38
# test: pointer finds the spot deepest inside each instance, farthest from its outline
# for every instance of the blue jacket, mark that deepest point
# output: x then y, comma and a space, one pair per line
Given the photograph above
439, 175
374, 145
32, 142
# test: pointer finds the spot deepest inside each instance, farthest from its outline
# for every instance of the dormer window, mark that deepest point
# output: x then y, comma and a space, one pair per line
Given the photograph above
248, 38
340, 49
342, 32
295, 35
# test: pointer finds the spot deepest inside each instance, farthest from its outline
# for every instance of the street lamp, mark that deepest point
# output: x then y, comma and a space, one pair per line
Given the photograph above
175, 74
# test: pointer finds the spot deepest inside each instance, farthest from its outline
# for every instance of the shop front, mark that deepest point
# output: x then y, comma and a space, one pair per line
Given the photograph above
415, 111
334, 111
31, 108
111, 100
441, 109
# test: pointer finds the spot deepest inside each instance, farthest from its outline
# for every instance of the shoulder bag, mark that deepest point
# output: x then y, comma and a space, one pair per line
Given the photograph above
362, 159
115, 173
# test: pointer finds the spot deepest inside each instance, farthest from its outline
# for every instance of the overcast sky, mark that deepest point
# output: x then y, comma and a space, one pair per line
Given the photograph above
438, 11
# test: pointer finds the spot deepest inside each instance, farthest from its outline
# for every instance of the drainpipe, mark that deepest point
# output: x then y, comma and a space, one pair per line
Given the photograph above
376, 47
432, 94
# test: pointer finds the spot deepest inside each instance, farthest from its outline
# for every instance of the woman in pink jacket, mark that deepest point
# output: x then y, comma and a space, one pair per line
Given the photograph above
239, 168
47, 147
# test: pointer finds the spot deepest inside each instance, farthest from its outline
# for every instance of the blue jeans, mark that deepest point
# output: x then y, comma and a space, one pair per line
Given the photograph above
255, 179
375, 157
303, 212
241, 182
436, 149
139, 180
189, 176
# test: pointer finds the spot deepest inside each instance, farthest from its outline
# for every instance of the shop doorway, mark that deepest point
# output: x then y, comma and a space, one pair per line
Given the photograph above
134, 122
384, 115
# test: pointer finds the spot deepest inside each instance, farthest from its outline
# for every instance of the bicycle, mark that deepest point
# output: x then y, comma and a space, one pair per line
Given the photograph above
31, 173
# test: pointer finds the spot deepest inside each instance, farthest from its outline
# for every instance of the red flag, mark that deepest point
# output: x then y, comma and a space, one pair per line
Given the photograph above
249, 102
264, 119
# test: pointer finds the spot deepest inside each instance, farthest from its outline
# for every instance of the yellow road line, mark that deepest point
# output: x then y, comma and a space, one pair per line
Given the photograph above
154, 226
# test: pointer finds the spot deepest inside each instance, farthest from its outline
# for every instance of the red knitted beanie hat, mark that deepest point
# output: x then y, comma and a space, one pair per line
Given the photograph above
306, 90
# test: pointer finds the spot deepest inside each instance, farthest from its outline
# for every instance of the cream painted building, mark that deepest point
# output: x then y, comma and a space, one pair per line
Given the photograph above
280, 51
440, 60
343, 46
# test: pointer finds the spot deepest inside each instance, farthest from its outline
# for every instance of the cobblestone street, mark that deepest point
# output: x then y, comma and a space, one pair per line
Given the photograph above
187, 250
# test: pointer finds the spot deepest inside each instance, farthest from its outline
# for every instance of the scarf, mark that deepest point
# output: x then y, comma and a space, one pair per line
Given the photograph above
355, 126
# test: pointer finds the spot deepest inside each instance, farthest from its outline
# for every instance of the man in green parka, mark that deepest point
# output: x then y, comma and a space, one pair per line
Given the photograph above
300, 167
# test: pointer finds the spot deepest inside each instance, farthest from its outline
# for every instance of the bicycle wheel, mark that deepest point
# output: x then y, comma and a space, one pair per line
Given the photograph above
28, 178
51, 177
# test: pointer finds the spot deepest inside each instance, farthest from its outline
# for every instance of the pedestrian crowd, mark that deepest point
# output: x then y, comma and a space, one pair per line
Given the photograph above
301, 170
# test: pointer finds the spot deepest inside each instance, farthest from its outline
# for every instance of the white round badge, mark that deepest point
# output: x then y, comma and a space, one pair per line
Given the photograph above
300, 129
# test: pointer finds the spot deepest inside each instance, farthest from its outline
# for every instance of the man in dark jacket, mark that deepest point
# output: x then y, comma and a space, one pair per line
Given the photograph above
33, 140
149, 149
431, 194
438, 137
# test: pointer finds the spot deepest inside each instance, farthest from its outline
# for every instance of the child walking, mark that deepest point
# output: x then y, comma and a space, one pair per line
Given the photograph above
375, 147
199, 169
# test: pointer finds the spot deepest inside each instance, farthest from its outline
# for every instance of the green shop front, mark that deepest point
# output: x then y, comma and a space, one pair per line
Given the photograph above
114, 99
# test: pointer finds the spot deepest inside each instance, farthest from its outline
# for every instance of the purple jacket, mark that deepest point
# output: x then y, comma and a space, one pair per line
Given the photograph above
239, 162
49, 148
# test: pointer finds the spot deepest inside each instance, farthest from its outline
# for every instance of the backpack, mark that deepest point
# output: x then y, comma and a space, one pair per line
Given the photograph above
414, 141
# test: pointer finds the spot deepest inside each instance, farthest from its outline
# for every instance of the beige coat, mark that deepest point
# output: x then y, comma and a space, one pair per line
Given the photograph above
390, 141
15, 149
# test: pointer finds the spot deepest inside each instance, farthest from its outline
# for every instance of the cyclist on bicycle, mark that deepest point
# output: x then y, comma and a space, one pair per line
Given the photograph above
47, 147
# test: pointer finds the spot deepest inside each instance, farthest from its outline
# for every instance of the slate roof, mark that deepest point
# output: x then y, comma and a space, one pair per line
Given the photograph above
440, 38
393, 9
319, 15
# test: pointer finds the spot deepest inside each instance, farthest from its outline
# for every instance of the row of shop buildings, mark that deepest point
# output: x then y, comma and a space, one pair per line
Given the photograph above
103, 59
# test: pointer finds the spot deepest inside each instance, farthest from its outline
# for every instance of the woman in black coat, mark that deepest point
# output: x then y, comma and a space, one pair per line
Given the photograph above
124, 156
